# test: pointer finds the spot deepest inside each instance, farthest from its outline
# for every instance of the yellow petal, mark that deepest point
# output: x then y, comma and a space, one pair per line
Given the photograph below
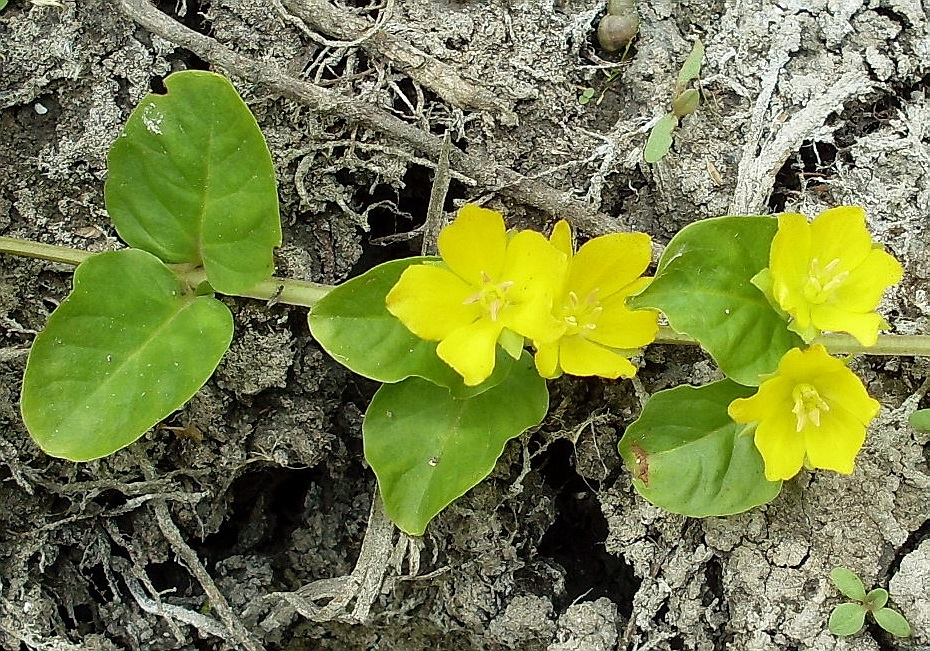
835, 444
535, 268
840, 234
773, 397
845, 390
806, 365
863, 326
782, 447
474, 244
578, 356
431, 301
609, 263
619, 327
561, 237
789, 259
547, 360
862, 289
471, 350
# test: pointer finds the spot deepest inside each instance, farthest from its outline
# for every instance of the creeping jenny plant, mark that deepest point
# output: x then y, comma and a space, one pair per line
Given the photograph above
191, 187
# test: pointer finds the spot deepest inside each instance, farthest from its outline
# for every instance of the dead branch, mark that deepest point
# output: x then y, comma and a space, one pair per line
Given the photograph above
491, 177
439, 77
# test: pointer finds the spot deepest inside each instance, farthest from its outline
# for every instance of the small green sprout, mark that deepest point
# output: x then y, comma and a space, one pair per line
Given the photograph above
586, 95
685, 101
920, 420
848, 618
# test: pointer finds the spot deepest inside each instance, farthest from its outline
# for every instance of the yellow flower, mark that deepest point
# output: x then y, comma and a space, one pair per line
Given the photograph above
491, 286
812, 411
828, 274
599, 332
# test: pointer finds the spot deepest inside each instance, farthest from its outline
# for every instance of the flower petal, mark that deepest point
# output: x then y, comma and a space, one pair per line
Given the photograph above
471, 350
609, 263
561, 237
840, 234
789, 259
535, 268
547, 360
862, 289
804, 365
618, 326
864, 327
782, 447
578, 356
474, 244
835, 444
431, 301
845, 390
773, 397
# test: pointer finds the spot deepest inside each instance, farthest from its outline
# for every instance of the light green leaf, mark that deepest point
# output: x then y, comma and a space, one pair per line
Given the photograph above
428, 448
920, 420
877, 598
191, 180
3, 4
686, 103
848, 582
353, 325
660, 138
892, 621
703, 285
123, 351
687, 456
847, 619
691, 68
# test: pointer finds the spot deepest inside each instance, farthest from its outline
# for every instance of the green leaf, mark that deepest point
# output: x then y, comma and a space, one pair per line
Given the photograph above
428, 448
847, 619
686, 103
689, 457
703, 285
892, 621
848, 582
877, 598
660, 138
691, 68
123, 351
191, 180
353, 325
3, 4
920, 420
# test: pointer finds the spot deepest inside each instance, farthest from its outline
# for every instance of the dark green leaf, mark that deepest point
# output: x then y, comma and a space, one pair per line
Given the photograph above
848, 582
428, 447
191, 180
689, 457
847, 619
703, 285
660, 138
892, 621
123, 351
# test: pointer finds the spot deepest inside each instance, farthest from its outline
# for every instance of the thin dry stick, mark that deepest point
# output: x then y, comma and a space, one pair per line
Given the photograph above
437, 197
489, 176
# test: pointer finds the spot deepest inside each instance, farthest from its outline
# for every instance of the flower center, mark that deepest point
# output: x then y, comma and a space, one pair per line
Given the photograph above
808, 405
581, 315
822, 280
492, 296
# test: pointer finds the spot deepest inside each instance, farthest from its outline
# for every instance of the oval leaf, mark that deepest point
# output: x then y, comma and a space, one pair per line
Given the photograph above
353, 325
191, 180
877, 598
920, 420
122, 352
428, 448
691, 68
848, 582
660, 138
892, 621
703, 285
687, 456
847, 619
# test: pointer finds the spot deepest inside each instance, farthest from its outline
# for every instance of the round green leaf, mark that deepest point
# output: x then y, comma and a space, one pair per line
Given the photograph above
689, 457
920, 420
191, 180
877, 598
124, 350
353, 325
892, 621
848, 582
847, 619
660, 138
428, 448
703, 285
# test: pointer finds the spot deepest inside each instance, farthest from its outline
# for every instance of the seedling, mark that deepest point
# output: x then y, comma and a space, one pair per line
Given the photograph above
464, 343
849, 618
685, 101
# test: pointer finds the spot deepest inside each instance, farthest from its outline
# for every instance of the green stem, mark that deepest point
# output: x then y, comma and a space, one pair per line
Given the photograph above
307, 294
